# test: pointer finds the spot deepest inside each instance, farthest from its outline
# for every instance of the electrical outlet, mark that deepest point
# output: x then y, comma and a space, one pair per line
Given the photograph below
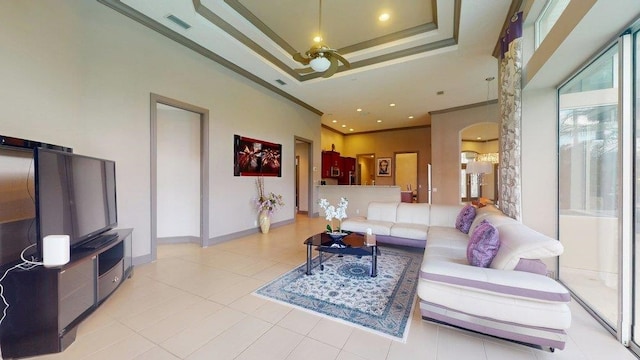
255, 222
357, 211
551, 274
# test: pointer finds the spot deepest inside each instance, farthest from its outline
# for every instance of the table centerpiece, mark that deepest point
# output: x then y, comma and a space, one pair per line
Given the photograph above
338, 213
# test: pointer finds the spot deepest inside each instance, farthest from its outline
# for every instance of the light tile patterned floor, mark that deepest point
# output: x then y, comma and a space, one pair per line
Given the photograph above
195, 303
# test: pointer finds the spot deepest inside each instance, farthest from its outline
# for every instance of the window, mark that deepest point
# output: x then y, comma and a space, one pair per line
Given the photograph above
548, 17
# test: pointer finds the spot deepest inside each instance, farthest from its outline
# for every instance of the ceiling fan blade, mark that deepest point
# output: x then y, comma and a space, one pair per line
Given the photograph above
301, 59
332, 68
305, 71
342, 59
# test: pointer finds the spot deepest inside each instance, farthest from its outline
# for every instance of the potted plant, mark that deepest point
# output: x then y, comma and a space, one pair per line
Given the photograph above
332, 212
266, 205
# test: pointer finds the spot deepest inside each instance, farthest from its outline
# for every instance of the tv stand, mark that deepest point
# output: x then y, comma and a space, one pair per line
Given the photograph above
46, 305
99, 241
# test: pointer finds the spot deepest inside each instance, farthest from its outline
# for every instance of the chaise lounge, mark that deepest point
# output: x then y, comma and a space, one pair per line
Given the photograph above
508, 296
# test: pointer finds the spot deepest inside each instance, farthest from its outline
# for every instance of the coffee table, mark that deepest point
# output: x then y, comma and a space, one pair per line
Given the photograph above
355, 245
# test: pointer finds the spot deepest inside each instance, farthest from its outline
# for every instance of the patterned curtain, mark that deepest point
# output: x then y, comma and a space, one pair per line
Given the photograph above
510, 118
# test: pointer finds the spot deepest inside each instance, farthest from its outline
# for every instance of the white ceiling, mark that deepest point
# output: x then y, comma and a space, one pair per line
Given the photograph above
426, 47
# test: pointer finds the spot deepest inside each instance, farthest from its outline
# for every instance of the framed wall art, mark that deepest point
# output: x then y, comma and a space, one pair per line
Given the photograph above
383, 166
256, 157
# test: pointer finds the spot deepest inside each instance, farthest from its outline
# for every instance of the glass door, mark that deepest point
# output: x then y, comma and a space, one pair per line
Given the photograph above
589, 187
635, 303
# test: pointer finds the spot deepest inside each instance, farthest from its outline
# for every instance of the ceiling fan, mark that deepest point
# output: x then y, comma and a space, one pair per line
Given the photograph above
320, 57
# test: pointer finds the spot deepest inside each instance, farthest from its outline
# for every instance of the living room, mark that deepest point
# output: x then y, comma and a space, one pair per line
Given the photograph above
79, 74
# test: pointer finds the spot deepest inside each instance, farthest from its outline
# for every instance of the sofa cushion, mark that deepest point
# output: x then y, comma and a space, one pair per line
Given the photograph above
442, 268
465, 218
483, 245
495, 217
410, 231
533, 266
413, 213
490, 305
382, 211
518, 241
443, 236
361, 224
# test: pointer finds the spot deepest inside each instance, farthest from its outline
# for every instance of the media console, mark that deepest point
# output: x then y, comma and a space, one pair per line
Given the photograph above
46, 305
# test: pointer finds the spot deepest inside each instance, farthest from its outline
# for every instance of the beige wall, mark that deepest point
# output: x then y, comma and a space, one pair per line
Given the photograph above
387, 144
330, 137
540, 160
446, 147
481, 147
77, 73
405, 171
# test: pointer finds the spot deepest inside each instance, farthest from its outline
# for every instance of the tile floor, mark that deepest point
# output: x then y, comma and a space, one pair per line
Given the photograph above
195, 303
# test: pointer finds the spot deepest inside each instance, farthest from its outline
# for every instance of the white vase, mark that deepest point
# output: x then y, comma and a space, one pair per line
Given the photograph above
264, 220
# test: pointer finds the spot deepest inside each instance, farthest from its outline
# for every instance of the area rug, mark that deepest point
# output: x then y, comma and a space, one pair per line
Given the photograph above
344, 291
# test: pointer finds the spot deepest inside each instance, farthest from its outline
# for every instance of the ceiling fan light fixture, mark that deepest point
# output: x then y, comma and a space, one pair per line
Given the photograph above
320, 64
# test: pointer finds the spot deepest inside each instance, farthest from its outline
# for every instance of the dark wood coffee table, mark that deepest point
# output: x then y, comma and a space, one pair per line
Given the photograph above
355, 245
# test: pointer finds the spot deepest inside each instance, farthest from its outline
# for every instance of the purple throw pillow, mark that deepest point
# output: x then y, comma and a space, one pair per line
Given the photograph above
483, 245
465, 218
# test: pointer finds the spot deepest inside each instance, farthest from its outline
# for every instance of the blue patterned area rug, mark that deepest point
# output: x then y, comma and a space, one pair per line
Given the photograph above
345, 291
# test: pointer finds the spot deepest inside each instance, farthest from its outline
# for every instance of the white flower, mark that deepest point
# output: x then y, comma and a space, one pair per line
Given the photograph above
331, 212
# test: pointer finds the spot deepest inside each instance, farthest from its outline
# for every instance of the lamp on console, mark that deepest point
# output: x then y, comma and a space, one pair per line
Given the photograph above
479, 168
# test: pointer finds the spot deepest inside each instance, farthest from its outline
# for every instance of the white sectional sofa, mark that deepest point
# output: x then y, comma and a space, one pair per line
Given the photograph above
512, 298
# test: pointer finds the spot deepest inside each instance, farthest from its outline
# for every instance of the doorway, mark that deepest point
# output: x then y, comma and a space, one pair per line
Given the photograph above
479, 147
304, 176
186, 124
365, 169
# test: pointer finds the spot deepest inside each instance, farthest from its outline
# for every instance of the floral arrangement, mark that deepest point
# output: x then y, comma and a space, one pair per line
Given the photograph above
331, 212
269, 202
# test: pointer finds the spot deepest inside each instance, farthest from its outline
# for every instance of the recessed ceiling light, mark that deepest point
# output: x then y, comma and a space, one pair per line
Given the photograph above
343, 125
350, 129
384, 17
379, 121
358, 109
410, 116
479, 138
392, 104
334, 121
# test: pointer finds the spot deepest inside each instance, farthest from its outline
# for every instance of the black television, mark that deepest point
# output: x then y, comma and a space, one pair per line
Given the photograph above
17, 207
75, 196
17, 198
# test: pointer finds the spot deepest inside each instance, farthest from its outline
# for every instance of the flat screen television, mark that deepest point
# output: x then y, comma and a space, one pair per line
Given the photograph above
75, 196
17, 206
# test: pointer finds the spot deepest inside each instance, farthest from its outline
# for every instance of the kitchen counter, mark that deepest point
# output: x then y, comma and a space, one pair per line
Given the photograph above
359, 196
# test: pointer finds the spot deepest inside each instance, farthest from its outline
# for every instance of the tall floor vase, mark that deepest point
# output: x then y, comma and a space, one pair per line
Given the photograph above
265, 221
